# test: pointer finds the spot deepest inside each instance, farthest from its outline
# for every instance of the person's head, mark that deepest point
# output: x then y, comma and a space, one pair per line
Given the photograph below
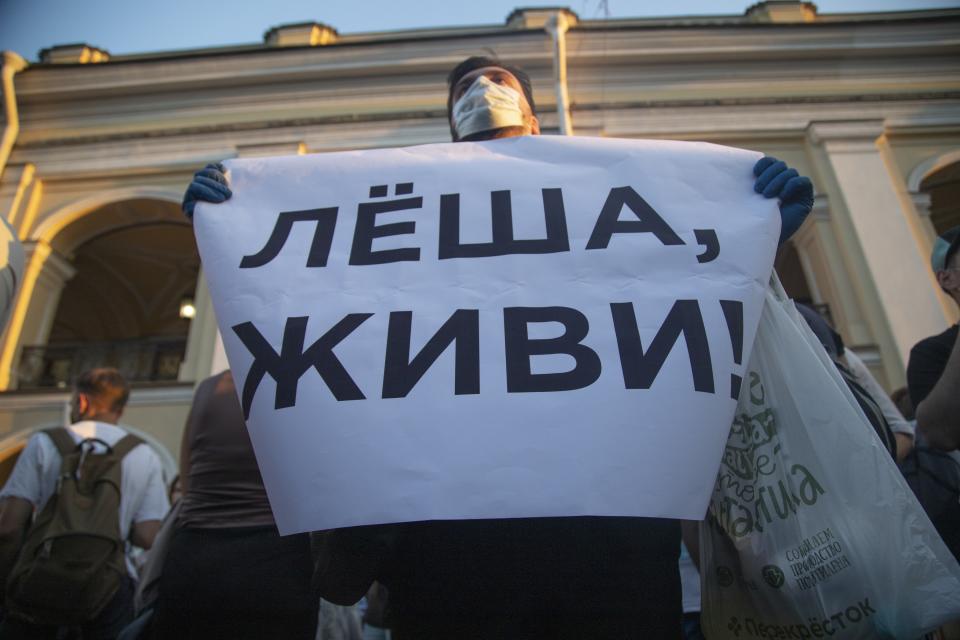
99, 394
945, 260
901, 398
175, 491
827, 335
488, 99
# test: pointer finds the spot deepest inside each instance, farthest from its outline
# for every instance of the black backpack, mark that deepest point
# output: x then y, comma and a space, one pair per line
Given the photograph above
934, 477
871, 410
73, 559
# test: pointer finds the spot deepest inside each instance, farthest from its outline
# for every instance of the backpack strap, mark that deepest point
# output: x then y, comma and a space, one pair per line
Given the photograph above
62, 440
126, 444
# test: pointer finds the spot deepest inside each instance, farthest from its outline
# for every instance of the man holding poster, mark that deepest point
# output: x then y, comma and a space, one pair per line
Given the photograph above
524, 397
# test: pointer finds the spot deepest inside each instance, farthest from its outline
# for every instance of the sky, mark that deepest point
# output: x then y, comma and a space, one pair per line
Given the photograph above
138, 26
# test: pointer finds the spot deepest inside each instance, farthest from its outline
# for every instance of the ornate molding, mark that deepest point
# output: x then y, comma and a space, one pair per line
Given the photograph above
846, 135
56, 271
271, 149
930, 166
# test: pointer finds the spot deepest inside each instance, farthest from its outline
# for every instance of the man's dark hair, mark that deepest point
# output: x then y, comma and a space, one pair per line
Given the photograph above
479, 62
105, 387
953, 249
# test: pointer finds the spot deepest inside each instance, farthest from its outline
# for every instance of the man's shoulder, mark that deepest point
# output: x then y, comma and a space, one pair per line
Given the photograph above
142, 455
39, 446
938, 342
108, 433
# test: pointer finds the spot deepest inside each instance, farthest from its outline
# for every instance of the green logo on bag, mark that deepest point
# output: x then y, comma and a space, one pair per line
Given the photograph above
773, 576
757, 484
724, 576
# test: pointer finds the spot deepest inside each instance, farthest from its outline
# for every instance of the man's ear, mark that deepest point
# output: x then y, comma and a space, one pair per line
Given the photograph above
534, 126
83, 405
947, 280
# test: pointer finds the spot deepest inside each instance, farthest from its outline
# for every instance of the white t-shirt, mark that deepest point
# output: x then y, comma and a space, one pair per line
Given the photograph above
143, 494
898, 424
689, 581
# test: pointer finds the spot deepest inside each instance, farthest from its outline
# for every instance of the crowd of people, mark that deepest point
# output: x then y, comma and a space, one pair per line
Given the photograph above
216, 566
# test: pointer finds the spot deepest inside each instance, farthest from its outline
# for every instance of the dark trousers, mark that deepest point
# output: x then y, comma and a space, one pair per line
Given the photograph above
236, 583
106, 626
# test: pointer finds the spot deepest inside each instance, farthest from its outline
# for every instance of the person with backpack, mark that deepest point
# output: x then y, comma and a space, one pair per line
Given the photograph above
894, 431
76, 497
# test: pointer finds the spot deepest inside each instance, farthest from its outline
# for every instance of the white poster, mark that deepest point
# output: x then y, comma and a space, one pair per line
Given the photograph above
533, 326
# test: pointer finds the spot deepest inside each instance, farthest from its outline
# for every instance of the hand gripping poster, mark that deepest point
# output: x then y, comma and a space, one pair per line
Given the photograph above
532, 326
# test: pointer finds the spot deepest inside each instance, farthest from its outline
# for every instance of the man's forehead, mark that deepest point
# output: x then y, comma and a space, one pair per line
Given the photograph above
482, 71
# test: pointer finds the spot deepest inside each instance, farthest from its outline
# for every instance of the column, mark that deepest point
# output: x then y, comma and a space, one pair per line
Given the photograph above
45, 274
826, 274
921, 204
203, 338
883, 244
20, 197
205, 354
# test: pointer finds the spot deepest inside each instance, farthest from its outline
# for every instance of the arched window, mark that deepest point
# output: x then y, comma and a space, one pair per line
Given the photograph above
943, 186
126, 306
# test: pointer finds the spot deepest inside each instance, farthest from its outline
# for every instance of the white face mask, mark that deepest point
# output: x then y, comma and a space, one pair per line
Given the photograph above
487, 105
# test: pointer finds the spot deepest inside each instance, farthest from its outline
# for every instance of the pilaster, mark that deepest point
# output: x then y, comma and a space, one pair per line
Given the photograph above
202, 337
823, 267
20, 202
44, 277
883, 245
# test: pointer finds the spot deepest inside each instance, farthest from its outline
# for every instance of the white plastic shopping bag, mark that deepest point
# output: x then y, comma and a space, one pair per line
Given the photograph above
812, 531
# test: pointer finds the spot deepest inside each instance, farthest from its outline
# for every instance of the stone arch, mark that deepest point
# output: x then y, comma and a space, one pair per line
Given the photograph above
51, 246
53, 225
930, 166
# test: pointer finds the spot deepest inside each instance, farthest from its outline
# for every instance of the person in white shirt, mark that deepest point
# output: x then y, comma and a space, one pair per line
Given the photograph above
97, 404
903, 429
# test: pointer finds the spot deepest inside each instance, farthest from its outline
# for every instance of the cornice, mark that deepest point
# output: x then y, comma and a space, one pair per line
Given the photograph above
787, 101
821, 207
271, 67
848, 19
435, 56
936, 109
172, 156
56, 269
676, 23
767, 119
850, 135
236, 127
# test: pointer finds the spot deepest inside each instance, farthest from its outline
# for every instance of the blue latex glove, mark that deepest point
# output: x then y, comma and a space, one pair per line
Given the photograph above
795, 192
209, 185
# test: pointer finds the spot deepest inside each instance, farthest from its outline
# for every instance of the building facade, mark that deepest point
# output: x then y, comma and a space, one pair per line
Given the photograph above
97, 150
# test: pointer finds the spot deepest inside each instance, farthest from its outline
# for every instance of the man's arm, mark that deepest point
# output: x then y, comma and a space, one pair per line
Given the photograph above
902, 430
21, 493
185, 439
198, 409
795, 193
938, 415
153, 506
924, 368
208, 185
348, 560
143, 533
14, 519
904, 445
690, 534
